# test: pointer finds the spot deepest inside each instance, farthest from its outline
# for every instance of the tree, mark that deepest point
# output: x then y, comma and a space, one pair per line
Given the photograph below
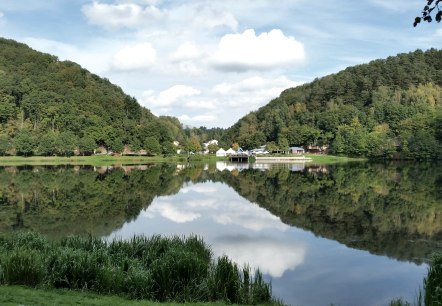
213, 148
47, 144
86, 145
5, 146
152, 145
428, 10
24, 144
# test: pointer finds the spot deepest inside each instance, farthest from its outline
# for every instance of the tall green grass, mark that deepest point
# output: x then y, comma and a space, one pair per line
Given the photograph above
157, 268
431, 295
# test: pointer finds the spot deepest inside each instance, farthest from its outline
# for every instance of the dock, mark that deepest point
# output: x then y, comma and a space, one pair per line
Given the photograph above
239, 158
282, 159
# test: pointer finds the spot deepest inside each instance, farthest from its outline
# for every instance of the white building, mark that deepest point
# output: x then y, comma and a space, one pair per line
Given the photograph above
221, 152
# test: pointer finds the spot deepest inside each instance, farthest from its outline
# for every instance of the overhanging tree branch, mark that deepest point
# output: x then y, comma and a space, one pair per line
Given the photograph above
428, 10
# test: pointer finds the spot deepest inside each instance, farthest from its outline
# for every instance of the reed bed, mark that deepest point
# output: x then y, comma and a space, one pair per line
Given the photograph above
174, 269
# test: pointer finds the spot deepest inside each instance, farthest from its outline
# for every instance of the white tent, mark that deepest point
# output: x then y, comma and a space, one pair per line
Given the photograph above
230, 152
221, 152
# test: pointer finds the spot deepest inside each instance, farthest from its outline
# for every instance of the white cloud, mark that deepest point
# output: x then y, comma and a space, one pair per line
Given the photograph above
246, 51
147, 14
171, 96
399, 5
186, 51
253, 91
137, 57
126, 15
198, 118
207, 16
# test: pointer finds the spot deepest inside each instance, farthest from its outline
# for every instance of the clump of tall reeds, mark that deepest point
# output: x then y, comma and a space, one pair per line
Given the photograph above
431, 294
156, 268
433, 282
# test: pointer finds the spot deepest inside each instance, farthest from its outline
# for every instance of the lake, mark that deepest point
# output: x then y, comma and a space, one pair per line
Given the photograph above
347, 234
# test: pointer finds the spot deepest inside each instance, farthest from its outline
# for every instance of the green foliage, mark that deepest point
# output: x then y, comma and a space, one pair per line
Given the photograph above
403, 93
24, 143
5, 145
433, 282
156, 268
49, 97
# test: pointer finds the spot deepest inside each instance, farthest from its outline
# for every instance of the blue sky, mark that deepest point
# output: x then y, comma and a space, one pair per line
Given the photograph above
211, 62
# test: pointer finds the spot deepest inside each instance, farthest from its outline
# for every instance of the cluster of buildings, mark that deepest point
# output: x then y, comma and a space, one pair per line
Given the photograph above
261, 150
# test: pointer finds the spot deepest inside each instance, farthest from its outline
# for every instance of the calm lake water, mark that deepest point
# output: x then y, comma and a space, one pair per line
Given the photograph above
351, 234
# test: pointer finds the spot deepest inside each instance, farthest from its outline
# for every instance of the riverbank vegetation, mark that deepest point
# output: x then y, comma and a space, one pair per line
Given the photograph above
156, 268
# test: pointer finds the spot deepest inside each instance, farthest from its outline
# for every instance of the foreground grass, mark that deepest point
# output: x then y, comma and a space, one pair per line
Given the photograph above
161, 269
17, 295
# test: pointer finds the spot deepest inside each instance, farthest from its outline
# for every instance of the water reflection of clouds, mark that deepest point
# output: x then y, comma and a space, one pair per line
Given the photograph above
272, 256
219, 209
230, 224
171, 212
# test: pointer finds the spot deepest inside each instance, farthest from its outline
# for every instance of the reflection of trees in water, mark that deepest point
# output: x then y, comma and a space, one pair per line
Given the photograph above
64, 200
393, 209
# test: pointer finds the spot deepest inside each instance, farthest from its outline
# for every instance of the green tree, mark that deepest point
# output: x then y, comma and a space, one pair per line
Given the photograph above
87, 145
66, 143
213, 148
152, 145
5, 145
7, 108
47, 144
24, 143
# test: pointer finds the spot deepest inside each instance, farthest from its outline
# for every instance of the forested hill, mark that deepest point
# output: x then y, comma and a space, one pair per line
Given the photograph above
51, 107
389, 107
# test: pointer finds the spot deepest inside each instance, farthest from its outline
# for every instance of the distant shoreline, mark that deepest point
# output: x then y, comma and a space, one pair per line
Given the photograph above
100, 160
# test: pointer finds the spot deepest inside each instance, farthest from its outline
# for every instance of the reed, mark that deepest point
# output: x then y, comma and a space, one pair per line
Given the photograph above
433, 282
157, 268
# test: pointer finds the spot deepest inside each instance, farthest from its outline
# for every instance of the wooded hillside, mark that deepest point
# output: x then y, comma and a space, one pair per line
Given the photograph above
389, 107
52, 107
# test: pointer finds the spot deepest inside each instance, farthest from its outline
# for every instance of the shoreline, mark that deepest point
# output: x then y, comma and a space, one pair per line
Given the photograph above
103, 160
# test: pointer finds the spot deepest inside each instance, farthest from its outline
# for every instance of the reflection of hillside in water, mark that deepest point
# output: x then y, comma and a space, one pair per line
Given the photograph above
59, 201
394, 210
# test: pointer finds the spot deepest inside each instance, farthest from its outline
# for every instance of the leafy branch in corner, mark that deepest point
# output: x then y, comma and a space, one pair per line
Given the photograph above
428, 10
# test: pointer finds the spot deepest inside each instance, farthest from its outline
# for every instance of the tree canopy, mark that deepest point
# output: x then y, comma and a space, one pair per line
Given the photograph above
53, 107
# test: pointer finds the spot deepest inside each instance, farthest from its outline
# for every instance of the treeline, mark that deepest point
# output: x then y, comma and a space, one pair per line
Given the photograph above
50, 107
387, 108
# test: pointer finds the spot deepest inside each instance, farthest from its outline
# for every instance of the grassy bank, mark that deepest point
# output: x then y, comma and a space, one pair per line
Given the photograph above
157, 268
17, 295
331, 159
104, 160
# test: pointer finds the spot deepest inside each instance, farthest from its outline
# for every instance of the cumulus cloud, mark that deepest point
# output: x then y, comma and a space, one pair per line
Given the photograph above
198, 118
169, 97
136, 57
125, 15
186, 51
134, 14
253, 91
246, 51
